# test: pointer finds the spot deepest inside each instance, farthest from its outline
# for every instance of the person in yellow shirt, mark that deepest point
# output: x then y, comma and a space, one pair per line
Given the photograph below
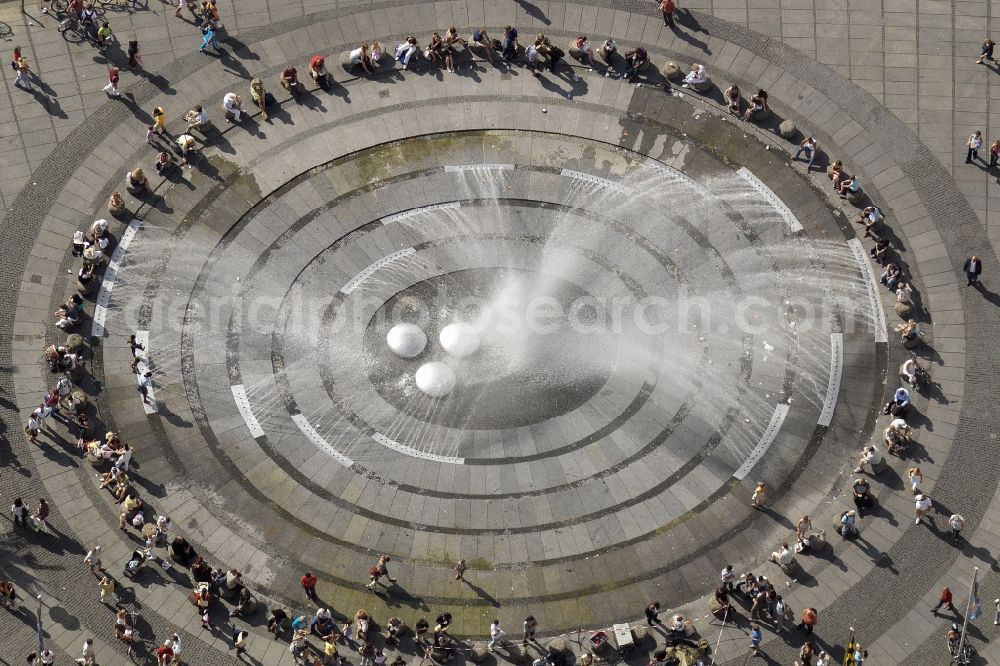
330, 651
159, 120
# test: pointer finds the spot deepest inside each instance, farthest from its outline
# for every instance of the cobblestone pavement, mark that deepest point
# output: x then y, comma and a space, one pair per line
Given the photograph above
264, 503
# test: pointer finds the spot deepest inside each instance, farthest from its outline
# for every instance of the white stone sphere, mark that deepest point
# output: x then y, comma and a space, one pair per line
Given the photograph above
436, 379
459, 339
406, 340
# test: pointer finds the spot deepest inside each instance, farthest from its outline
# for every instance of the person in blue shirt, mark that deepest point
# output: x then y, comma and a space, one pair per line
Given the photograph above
756, 636
509, 47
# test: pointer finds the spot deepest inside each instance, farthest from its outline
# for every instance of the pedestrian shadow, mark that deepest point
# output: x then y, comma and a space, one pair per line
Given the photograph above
338, 90
575, 88
482, 594
60, 455
172, 418
991, 297
533, 11
878, 558
231, 64
397, 597
310, 101
776, 516
686, 19
159, 82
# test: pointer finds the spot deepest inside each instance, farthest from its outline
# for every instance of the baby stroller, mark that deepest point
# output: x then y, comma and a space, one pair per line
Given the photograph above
135, 563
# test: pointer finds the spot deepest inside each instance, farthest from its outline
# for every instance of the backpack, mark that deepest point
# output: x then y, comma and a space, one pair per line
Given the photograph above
374, 572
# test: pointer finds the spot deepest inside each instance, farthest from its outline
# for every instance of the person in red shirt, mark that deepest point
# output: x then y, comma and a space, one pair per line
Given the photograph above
112, 87
668, 7
317, 70
309, 581
165, 653
945, 600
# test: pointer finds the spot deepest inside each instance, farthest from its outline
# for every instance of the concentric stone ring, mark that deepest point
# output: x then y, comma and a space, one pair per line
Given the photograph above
666, 309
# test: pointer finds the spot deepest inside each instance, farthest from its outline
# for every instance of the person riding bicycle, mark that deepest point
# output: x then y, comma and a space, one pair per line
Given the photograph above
75, 8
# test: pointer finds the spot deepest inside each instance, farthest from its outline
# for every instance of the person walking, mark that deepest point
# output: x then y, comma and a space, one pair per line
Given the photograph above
143, 382
41, 514
31, 429
810, 618
668, 7
87, 655
124, 457
653, 614
916, 477
165, 653
496, 635
803, 528
211, 38
530, 625
986, 53
106, 588
23, 71
19, 512
757, 499
973, 268
383, 569
756, 636
460, 570
956, 523
93, 560
158, 127
239, 641
974, 143
112, 87
134, 57
923, 506
308, 582
944, 599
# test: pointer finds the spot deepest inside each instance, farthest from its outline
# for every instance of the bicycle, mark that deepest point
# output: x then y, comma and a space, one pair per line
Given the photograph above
75, 29
129, 634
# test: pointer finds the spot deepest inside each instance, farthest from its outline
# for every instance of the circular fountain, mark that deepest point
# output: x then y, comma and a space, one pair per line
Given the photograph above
459, 339
436, 379
406, 340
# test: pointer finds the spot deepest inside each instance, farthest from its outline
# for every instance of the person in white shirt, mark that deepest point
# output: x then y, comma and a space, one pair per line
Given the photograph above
783, 556
698, 74
87, 655
496, 635
728, 578
923, 506
974, 143
956, 523
233, 105
870, 217
196, 118
871, 456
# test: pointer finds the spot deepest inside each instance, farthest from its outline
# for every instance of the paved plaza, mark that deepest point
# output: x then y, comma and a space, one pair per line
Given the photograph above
670, 308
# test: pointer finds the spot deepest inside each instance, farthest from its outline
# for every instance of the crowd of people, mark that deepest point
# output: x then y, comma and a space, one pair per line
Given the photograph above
111, 456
